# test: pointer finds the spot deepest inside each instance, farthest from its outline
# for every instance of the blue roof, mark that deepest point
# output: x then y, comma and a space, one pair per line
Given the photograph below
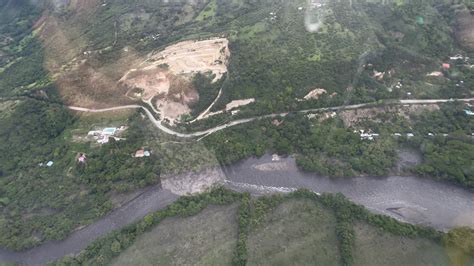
468, 112
109, 130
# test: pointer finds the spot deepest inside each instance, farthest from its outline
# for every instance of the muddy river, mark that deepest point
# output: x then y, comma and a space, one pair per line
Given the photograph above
409, 199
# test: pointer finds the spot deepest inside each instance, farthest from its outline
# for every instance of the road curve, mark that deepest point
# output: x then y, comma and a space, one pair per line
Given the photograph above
209, 131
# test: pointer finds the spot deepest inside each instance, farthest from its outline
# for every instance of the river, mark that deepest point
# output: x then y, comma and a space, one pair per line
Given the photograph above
406, 198
409, 199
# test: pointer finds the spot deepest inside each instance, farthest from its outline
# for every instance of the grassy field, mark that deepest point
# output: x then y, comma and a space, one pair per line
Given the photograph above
208, 238
375, 247
298, 232
208, 12
221, 227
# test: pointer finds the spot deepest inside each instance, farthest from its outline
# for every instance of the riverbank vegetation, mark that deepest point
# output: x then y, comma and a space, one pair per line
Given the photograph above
327, 147
331, 231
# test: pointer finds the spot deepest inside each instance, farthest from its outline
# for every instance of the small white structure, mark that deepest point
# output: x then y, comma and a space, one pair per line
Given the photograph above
368, 136
93, 133
234, 112
103, 140
410, 135
49, 164
399, 85
456, 57
435, 74
275, 158
237, 103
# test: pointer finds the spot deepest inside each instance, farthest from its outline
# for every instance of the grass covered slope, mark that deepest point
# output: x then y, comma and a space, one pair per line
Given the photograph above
297, 232
299, 228
376, 247
207, 238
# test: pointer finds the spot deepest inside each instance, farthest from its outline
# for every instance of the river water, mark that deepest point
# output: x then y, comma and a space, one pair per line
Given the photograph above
409, 199
152, 199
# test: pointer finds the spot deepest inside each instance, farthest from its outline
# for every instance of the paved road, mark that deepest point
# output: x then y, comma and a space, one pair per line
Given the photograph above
167, 130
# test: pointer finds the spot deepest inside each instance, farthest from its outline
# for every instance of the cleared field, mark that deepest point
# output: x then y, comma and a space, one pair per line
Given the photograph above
375, 247
208, 238
91, 121
298, 232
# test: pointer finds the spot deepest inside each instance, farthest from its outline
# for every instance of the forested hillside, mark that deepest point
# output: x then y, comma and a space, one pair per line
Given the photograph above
55, 54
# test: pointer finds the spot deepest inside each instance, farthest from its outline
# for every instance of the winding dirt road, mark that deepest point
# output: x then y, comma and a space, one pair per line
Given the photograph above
209, 131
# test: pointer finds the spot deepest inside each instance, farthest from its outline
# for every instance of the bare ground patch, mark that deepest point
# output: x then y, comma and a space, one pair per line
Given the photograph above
166, 76
190, 183
352, 117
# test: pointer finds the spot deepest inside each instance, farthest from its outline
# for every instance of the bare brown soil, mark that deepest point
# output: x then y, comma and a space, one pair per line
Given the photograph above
165, 77
94, 79
352, 117
88, 87
314, 94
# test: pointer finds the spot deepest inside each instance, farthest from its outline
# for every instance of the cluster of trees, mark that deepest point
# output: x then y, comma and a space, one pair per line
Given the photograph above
27, 70
29, 135
112, 167
27, 132
327, 148
243, 219
447, 158
207, 91
39, 203
461, 238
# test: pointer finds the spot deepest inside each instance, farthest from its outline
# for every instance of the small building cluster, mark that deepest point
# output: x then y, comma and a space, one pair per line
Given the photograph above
316, 4
48, 164
459, 57
408, 135
275, 158
366, 135
142, 153
102, 136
